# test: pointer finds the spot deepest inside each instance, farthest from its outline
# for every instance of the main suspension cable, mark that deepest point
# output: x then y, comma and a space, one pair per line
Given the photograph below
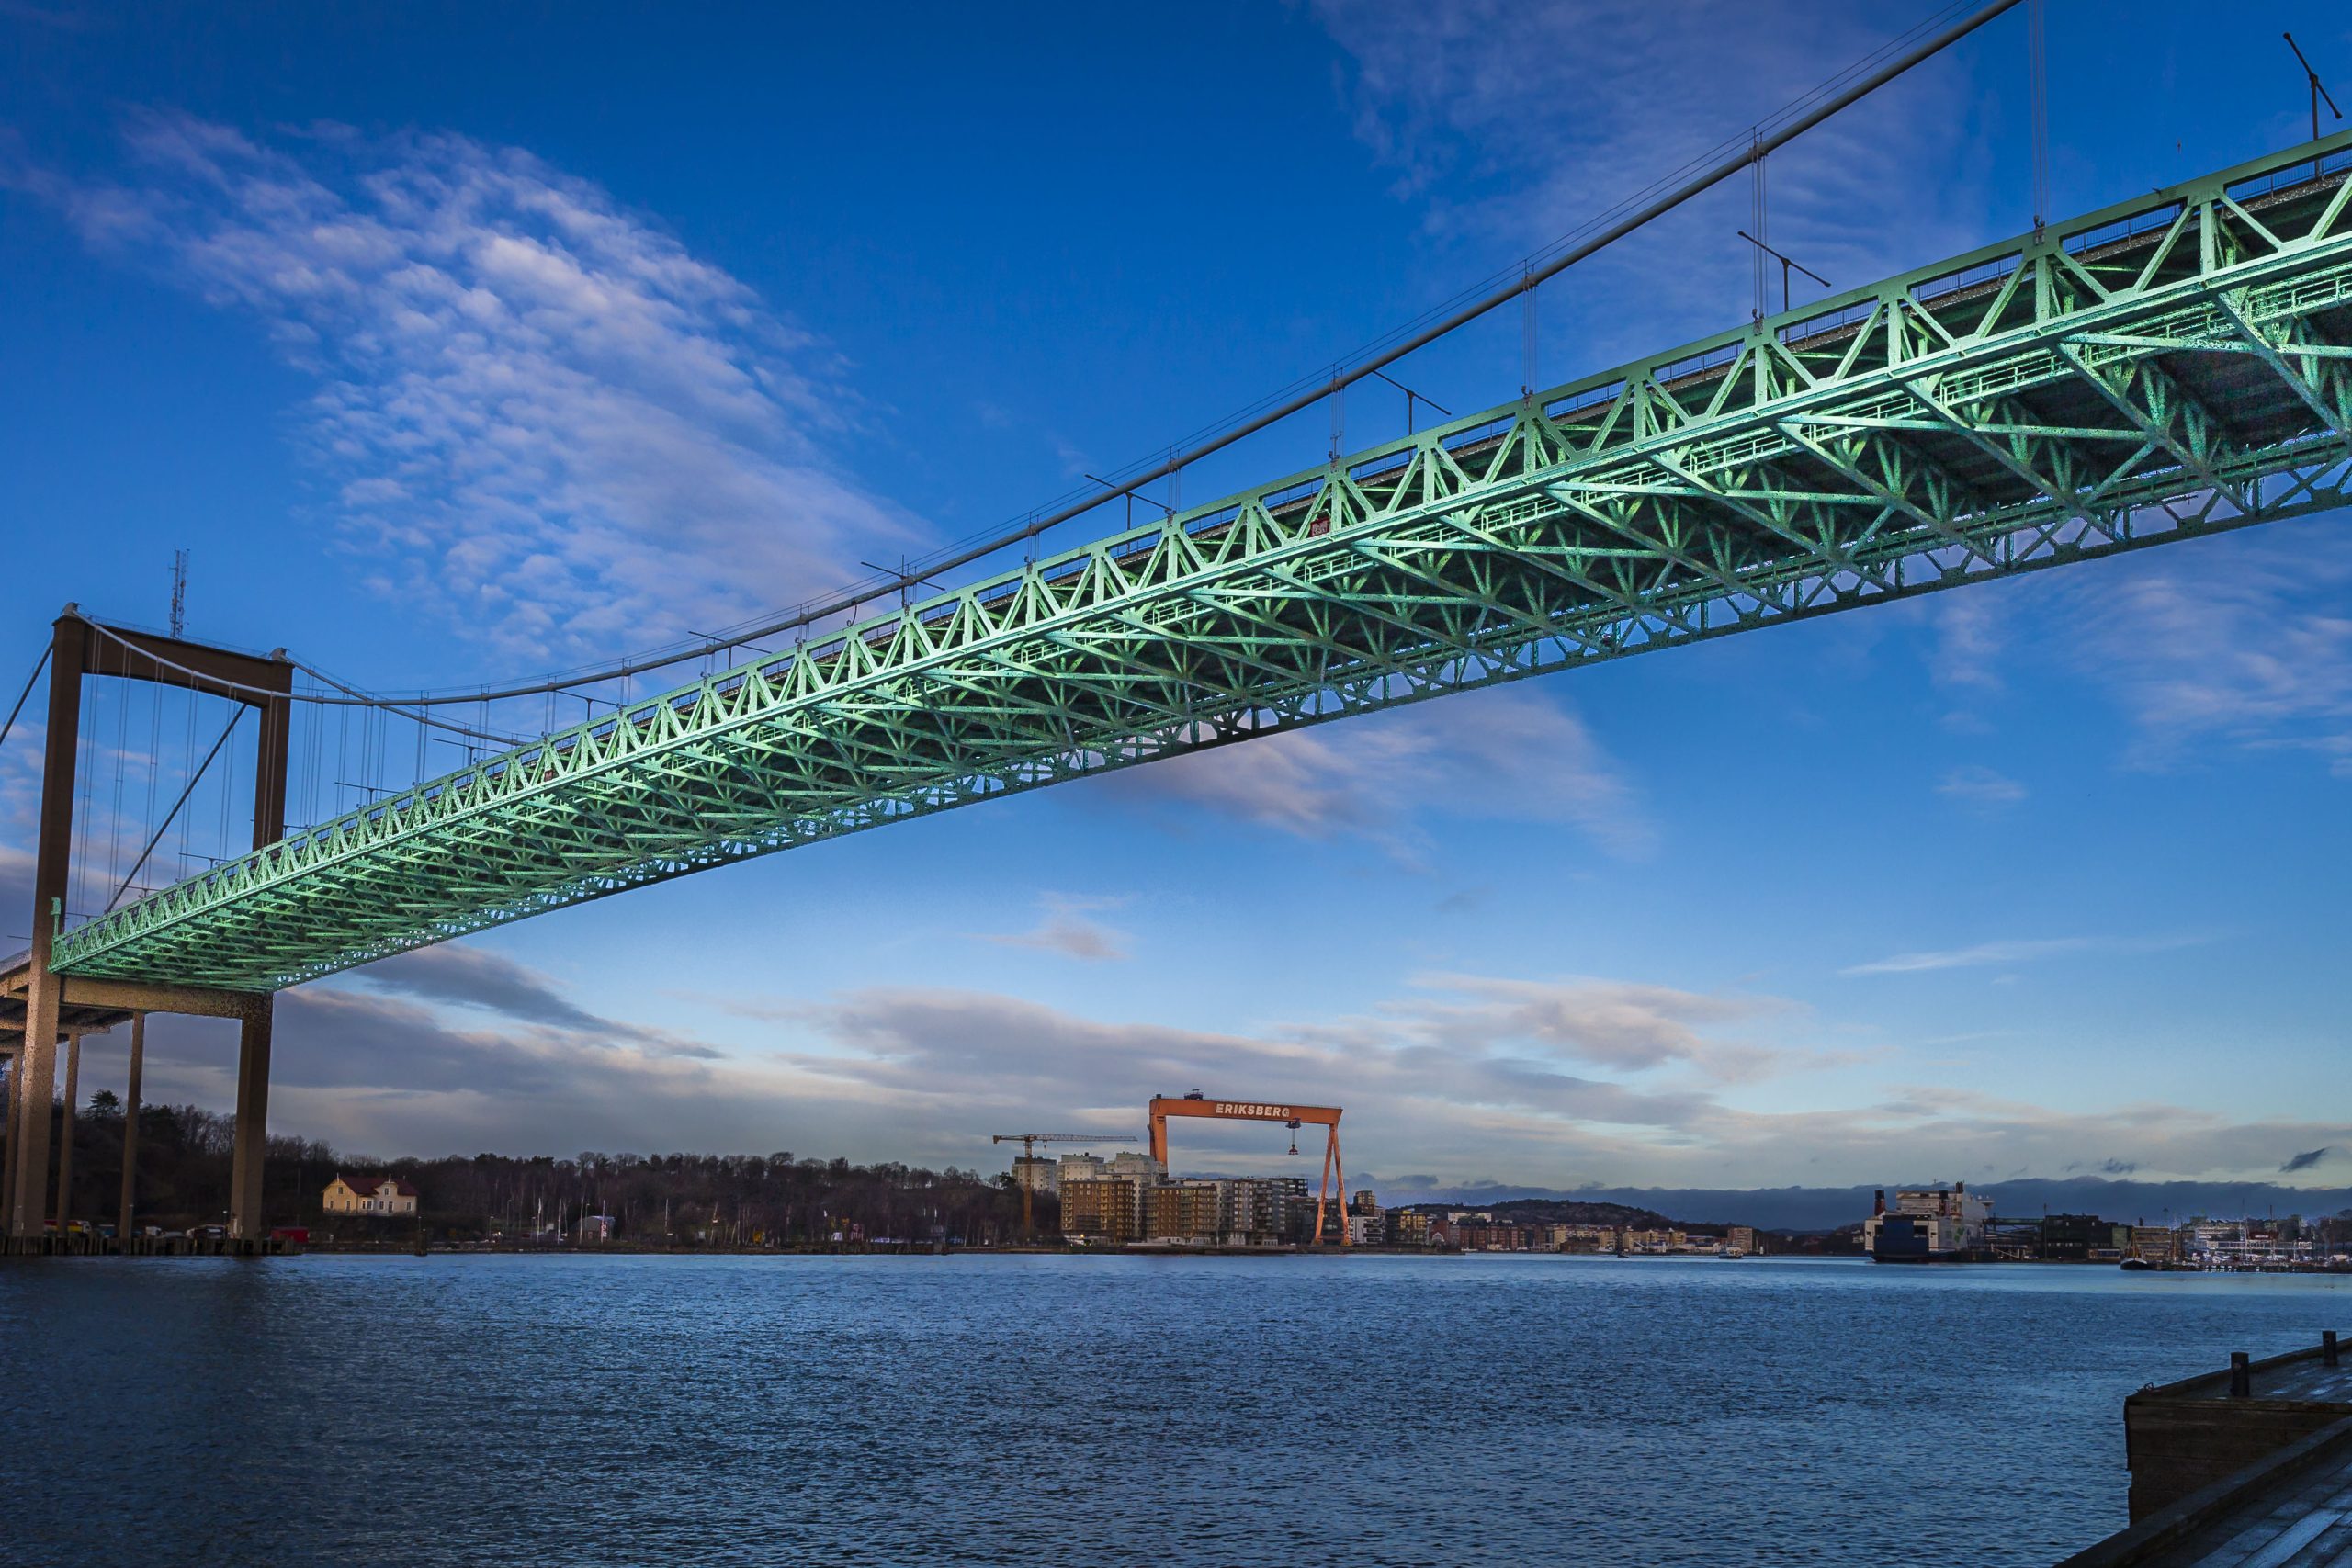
353, 696
1699, 175
30, 682
1841, 91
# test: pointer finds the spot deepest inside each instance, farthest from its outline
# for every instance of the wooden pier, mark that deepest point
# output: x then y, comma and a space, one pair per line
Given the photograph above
2250, 1467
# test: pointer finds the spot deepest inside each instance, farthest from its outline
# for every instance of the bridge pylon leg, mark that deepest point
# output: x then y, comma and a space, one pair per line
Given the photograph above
66, 1133
36, 1086
15, 1059
53, 850
246, 1223
130, 1132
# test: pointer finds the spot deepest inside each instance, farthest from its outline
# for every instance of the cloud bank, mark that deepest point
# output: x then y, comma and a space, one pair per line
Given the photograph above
536, 412
1498, 754
1566, 1083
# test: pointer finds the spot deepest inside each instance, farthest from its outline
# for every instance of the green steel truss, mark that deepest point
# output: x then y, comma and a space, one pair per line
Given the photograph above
2173, 366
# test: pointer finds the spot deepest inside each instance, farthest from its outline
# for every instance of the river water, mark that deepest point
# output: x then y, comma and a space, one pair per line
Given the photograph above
1179, 1412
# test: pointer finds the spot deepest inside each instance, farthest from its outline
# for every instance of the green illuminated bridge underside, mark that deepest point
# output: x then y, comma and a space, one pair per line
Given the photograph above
2171, 368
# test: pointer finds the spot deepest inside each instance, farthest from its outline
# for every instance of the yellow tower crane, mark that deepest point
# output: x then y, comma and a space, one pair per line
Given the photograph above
1029, 1142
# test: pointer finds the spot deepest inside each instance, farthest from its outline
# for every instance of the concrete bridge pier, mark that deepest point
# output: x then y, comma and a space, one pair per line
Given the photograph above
246, 1221
65, 1131
131, 1130
11, 1138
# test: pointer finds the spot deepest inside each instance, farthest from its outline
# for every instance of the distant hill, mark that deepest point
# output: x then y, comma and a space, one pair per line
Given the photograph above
1558, 1212
1807, 1209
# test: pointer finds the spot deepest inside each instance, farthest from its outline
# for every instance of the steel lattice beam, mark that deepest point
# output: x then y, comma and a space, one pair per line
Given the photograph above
2159, 370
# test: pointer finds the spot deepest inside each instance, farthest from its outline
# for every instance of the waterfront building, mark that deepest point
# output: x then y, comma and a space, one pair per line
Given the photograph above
1741, 1239
1141, 1169
1407, 1228
1493, 1237
2153, 1244
1077, 1168
2202, 1238
1257, 1212
1103, 1209
1036, 1172
1187, 1211
368, 1195
2083, 1238
1262, 1209
1364, 1203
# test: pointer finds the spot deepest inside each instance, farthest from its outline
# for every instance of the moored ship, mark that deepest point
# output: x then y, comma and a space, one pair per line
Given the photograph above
1929, 1225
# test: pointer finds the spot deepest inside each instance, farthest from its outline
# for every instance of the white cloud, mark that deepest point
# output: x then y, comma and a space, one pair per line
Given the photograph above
1984, 953
1513, 124
1067, 929
1969, 640
1467, 1077
1981, 785
1497, 754
2242, 641
1548, 1083
1618, 1025
536, 412
2015, 951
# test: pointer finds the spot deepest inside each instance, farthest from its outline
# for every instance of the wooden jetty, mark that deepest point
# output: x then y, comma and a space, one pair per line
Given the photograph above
2246, 1468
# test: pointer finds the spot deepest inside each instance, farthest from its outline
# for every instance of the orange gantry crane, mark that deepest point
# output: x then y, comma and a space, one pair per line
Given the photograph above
1292, 1116
1029, 1142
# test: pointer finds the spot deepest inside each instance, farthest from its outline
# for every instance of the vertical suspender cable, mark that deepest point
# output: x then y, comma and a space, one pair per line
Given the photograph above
2038, 85
154, 760
1755, 216
187, 765
1527, 381
77, 877
121, 765
167, 822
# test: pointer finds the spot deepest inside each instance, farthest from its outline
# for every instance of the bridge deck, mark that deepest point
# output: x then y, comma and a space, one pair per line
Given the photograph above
85, 1018
2167, 368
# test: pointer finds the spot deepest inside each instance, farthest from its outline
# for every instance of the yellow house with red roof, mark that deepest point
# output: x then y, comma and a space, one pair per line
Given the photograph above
368, 1195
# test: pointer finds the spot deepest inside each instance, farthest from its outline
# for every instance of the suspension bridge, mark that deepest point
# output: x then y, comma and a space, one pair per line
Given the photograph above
2173, 366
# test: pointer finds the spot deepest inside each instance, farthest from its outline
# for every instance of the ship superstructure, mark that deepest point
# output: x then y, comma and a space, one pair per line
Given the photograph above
1929, 1224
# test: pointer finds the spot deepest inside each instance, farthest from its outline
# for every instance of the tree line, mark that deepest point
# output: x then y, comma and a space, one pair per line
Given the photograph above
673, 1200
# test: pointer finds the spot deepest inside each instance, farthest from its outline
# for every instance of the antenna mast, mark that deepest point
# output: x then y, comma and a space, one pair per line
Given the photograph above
2318, 91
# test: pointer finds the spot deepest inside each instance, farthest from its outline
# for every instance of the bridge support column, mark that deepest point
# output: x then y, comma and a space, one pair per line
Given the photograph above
66, 1133
246, 1223
11, 1139
131, 1132
53, 861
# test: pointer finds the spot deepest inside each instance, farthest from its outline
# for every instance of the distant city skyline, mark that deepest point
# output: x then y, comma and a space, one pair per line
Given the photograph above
442, 368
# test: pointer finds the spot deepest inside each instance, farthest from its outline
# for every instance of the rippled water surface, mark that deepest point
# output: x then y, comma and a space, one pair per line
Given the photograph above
1088, 1411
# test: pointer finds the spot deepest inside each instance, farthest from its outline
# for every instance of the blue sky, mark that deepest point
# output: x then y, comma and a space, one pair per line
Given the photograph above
452, 343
